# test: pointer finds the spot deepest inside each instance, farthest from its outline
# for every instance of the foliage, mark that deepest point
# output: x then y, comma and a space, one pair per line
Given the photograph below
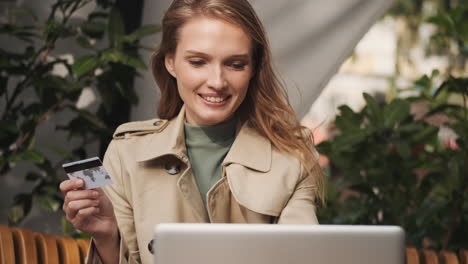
33, 90
390, 165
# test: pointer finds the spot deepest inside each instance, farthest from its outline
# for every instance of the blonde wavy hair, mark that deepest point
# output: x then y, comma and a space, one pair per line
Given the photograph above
266, 107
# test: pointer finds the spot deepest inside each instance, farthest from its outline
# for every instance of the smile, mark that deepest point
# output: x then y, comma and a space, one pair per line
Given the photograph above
214, 99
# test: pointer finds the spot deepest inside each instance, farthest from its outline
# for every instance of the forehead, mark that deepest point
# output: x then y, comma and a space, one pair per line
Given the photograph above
214, 37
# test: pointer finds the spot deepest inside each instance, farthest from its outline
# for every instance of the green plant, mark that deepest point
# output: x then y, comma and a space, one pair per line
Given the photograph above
109, 64
389, 164
390, 168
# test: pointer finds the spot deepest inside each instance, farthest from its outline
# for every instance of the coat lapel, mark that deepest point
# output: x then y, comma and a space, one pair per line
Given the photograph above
250, 149
171, 141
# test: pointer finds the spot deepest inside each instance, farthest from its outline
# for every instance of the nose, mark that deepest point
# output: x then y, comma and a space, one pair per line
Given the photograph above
216, 79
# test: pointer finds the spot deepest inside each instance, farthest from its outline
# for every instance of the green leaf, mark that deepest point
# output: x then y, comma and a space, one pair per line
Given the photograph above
55, 29
21, 207
93, 29
461, 129
112, 55
67, 227
373, 110
135, 62
142, 32
325, 148
97, 15
396, 112
115, 27
426, 134
403, 149
348, 119
15, 214
411, 128
118, 56
84, 65
348, 141
440, 20
49, 203
424, 85
34, 156
82, 235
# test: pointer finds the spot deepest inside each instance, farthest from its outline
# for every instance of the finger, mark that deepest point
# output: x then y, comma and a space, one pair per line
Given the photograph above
74, 207
83, 215
69, 185
79, 195
100, 194
100, 191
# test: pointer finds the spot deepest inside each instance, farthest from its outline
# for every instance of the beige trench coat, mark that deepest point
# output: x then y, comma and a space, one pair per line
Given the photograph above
153, 183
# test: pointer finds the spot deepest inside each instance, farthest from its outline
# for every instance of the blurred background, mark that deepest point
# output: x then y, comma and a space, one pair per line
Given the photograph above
383, 85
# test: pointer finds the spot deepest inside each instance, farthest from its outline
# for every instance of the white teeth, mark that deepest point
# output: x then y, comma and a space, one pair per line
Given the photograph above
214, 99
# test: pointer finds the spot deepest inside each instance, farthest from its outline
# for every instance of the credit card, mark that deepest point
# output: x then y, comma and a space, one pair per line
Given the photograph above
91, 171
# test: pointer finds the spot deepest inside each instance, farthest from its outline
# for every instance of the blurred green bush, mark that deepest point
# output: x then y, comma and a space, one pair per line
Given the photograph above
391, 163
33, 90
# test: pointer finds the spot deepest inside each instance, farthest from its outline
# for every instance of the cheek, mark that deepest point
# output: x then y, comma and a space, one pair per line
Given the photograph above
189, 78
241, 83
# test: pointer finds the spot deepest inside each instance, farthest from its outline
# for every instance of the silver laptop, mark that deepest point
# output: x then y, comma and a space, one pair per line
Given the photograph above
278, 244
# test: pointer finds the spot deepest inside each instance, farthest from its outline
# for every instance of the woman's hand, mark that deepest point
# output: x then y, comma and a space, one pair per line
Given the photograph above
89, 210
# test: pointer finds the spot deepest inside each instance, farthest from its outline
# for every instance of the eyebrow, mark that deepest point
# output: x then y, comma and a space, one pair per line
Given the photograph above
198, 53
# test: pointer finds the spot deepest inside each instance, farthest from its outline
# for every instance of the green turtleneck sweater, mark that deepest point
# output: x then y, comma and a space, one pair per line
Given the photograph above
207, 146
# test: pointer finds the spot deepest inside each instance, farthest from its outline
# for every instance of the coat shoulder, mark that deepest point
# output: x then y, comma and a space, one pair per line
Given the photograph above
139, 128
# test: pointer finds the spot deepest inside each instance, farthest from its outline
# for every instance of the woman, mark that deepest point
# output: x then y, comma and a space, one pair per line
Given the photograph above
228, 147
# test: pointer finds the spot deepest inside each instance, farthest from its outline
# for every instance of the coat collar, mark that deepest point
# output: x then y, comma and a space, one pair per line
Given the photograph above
249, 149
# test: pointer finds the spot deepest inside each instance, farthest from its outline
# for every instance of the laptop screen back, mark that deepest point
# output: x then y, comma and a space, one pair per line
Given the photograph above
278, 244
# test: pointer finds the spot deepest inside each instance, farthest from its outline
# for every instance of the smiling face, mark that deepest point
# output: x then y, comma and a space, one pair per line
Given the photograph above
212, 64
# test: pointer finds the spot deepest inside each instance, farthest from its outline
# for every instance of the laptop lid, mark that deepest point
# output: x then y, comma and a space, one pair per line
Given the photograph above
278, 244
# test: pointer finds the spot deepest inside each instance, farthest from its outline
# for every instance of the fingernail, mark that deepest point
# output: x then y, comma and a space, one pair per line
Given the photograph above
95, 194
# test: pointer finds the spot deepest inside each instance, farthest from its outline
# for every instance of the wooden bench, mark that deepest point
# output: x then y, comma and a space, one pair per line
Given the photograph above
425, 256
23, 246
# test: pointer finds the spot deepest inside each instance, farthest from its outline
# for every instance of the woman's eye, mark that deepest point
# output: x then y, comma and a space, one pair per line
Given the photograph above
196, 62
238, 66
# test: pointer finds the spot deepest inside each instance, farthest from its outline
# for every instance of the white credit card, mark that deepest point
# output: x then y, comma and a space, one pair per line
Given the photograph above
90, 171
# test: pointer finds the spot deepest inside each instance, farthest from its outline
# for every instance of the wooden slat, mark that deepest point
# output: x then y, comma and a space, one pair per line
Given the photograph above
463, 255
47, 250
83, 245
25, 246
69, 252
412, 256
7, 249
429, 257
448, 257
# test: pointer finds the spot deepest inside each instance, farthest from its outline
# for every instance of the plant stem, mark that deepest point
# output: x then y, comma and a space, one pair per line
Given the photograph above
465, 107
42, 54
42, 118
